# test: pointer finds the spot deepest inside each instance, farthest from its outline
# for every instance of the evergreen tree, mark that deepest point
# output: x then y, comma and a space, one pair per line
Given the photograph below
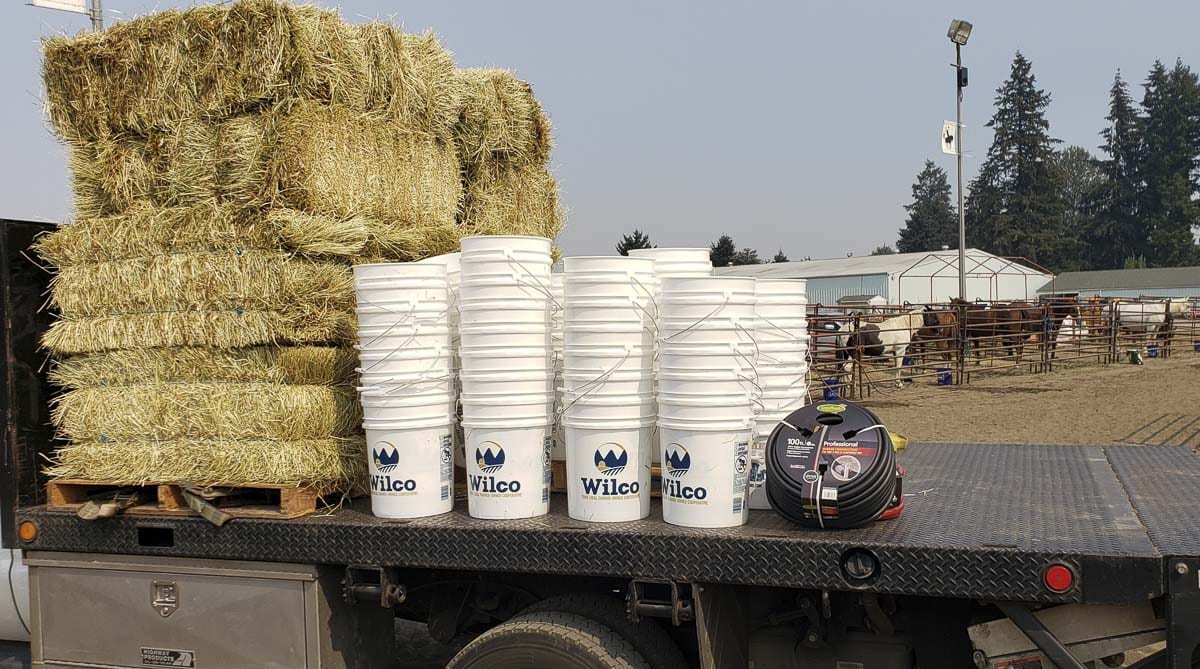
722, 251
1015, 208
932, 221
1115, 232
779, 257
1171, 140
885, 250
636, 240
1081, 183
745, 256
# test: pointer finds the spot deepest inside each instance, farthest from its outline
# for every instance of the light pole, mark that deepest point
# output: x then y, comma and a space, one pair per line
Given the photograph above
959, 32
92, 8
97, 16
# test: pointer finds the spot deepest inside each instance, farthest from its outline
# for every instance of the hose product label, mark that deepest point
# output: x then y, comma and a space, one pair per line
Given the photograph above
168, 657
823, 461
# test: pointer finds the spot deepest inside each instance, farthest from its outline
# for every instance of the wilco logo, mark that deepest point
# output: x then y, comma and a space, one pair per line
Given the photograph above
610, 459
387, 458
385, 461
490, 460
679, 462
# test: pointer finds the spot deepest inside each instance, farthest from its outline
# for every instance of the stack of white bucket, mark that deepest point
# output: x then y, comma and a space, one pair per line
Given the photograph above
608, 400
407, 390
782, 366
707, 398
453, 279
507, 375
673, 263
559, 451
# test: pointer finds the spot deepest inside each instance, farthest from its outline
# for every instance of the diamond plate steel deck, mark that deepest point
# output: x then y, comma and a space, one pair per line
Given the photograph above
981, 521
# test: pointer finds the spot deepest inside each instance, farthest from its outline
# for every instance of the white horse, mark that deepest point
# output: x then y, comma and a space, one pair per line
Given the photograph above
891, 337
1148, 317
1070, 330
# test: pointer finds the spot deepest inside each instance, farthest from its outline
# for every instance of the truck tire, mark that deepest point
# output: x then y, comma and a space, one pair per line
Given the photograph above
549, 640
647, 636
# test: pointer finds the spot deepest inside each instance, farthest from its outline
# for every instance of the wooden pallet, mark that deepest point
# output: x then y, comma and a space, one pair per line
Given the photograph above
266, 500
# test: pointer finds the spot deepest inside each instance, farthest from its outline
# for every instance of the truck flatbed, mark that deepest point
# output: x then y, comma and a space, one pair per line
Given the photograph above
981, 521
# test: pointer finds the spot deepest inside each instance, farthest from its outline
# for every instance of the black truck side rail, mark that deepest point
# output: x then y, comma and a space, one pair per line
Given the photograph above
981, 521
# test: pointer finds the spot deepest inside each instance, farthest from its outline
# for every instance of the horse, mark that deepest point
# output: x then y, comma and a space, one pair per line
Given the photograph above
889, 337
1150, 318
939, 331
1009, 324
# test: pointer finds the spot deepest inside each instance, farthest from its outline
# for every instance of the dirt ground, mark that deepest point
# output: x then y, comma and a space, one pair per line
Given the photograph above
1154, 403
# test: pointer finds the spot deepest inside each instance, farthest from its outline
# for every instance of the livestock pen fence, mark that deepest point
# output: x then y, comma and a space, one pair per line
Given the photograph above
857, 352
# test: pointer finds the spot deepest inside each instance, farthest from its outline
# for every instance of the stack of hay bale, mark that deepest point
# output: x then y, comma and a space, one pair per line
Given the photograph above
229, 164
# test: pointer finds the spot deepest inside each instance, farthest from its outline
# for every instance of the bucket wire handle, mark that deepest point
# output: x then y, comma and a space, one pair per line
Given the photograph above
595, 383
698, 323
545, 290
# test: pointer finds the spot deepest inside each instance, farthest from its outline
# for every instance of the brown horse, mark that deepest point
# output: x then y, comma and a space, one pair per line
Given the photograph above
1007, 325
939, 332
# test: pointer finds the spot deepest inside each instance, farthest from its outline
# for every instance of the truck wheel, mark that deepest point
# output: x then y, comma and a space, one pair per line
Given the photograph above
647, 636
549, 640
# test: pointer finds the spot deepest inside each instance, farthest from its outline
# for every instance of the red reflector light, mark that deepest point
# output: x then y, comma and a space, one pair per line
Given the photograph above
1059, 578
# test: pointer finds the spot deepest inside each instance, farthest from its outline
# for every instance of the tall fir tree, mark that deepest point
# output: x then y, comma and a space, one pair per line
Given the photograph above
721, 252
780, 256
1081, 183
1115, 233
932, 221
635, 240
1015, 208
1171, 139
745, 256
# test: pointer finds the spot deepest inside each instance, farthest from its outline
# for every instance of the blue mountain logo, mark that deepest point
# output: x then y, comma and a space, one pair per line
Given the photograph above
611, 459
679, 461
385, 460
490, 462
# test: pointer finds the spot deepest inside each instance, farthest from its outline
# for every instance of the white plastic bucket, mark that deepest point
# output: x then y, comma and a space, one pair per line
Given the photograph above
683, 357
790, 355
700, 311
727, 409
608, 471
601, 334
608, 310
505, 244
411, 470
705, 473
715, 384
497, 359
405, 360
375, 318
623, 411
398, 270
620, 383
386, 385
507, 382
627, 265
734, 288
580, 287
508, 471
702, 334
489, 313
601, 359
380, 412
481, 409
515, 336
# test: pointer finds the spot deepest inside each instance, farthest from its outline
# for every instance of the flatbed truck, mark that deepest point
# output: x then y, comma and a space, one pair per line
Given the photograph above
1006, 556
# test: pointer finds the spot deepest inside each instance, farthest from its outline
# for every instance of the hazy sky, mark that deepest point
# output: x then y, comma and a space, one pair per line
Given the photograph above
793, 125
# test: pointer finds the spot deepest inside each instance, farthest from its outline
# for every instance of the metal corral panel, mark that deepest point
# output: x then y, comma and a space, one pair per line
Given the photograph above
828, 290
1135, 293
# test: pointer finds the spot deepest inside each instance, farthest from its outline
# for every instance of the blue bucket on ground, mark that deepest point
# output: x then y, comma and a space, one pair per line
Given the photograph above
908, 361
1196, 346
944, 376
831, 390
1151, 350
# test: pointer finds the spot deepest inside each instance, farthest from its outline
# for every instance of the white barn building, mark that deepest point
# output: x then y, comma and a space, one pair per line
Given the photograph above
917, 278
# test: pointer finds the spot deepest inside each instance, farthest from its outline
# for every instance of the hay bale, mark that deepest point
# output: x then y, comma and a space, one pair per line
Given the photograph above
339, 462
500, 121
293, 365
216, 329
155, 411
336, 162
504, 200
145, 230
215, 61
322, 160
250, 280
